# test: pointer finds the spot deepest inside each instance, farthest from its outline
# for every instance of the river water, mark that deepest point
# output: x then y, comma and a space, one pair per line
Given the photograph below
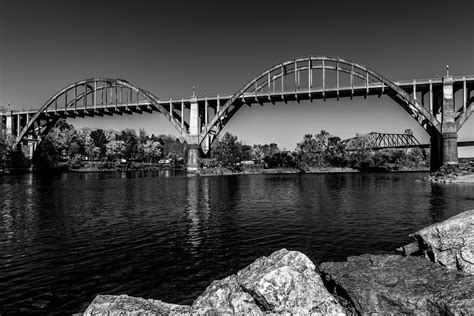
66, 238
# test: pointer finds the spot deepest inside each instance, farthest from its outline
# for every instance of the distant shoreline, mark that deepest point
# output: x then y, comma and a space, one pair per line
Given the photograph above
209, 172
205, 172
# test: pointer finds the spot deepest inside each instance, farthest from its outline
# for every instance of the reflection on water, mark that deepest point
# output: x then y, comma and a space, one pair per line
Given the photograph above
197, 210
445, 197
68, 237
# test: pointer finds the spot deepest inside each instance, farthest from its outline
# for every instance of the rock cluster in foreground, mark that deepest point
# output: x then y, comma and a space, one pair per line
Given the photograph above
396, 284
440, 280
449, 243
286, 281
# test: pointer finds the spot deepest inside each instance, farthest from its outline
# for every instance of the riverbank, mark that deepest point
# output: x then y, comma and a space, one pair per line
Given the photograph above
437, 277
218, 171
97, 166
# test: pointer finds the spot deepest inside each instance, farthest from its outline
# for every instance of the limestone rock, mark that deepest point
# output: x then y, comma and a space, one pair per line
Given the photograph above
451, 242
412, 249
225, 297
396, 284
124, 305
286, 281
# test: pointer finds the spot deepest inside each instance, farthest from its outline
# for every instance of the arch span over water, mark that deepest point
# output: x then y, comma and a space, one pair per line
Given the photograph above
295, 80
95, 97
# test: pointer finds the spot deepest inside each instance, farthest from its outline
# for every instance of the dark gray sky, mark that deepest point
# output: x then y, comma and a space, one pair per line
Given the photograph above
167, 47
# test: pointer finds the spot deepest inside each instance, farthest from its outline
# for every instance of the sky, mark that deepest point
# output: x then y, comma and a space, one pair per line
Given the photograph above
169, 47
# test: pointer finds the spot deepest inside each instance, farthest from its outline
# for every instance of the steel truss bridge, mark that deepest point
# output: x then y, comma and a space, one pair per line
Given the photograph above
199, 120
377, 141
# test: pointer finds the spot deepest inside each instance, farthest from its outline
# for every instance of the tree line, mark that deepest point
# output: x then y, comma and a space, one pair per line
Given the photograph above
314, 151
67, 144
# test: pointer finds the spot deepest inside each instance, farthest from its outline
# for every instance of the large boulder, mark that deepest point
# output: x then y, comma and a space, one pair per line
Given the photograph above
396, 284
451, 242
225, 297
285, 281
125, 305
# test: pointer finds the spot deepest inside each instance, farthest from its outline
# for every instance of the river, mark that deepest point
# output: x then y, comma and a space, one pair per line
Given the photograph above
65, 238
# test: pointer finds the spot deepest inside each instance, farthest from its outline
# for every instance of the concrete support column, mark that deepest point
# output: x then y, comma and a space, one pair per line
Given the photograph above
18, 129
31, 150
194, 129
9, 125
194, 148
448, 127
194, 153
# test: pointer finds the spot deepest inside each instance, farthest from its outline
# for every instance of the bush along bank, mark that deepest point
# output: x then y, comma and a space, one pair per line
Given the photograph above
426, 279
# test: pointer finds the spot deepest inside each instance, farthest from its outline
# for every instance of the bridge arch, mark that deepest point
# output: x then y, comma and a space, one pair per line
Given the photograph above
262, 88
94, 97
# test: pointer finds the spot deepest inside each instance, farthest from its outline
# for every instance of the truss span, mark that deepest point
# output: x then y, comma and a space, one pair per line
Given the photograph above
317, 77
375, 141
94, 97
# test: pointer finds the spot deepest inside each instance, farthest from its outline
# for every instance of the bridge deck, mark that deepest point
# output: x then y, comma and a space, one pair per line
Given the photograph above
273, 96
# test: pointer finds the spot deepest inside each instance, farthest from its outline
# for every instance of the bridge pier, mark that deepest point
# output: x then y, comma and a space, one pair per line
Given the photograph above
30, 150
444, 145
194, 148
9, 124
194, 153
448, 126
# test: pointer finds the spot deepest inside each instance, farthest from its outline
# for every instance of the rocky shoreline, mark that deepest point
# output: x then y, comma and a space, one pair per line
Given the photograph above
456, 173
433, 275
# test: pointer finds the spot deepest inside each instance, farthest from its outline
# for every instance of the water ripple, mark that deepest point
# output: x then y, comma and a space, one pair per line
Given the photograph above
66, 238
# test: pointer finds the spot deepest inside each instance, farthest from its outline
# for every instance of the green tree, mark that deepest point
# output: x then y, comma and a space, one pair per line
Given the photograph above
261, 152
152, 150
142, 136
258, 154
227, 151
48, 154
361, 157
100, 140
56, 146
307, 151
335, 153
7, 149
172, 146
245, 152
281, 160
115, 149
130, 140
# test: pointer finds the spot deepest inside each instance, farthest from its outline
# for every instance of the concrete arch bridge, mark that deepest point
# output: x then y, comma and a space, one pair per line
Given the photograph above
199, 120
